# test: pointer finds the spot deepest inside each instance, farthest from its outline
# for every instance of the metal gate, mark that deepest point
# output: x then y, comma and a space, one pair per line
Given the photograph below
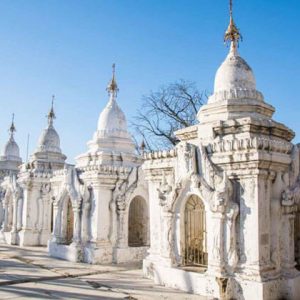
70, 223
195, 250
137, 223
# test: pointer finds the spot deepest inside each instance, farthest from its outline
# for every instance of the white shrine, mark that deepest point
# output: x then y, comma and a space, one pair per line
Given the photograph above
218, 215
223, 202
101, 204
10, 161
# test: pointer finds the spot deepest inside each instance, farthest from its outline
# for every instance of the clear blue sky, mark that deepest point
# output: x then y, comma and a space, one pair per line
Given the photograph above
66, 48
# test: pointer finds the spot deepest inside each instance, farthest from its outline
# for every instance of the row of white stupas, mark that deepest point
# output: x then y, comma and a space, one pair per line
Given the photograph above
217, 215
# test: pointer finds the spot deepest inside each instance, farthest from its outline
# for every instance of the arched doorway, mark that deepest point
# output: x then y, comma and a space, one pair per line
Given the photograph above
138, 223
195, 249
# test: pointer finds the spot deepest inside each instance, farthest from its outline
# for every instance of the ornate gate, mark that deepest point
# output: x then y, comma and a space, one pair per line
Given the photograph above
137, 223
70, 223
195, 252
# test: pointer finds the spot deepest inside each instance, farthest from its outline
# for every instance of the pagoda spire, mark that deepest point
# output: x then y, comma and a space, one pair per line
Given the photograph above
232, 33
51, 115
112, 87
12, 128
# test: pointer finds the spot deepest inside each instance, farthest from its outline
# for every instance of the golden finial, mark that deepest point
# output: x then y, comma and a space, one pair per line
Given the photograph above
232, 33
12, 127
143, 145
112, 86
51, 114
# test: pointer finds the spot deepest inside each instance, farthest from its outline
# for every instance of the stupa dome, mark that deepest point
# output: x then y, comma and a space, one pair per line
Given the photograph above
234, 74
49, 140
112, 121
11, 149
112, 134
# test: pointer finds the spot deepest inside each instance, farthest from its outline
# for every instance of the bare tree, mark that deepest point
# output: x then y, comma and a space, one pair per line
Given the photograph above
172, 107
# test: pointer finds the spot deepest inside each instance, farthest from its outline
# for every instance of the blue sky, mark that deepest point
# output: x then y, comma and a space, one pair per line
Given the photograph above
67, 48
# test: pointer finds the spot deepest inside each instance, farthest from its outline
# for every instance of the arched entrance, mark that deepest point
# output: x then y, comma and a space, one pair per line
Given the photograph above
195, 249
138, 223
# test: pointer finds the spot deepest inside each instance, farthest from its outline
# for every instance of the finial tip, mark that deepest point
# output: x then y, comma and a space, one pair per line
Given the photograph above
51, 114
232, 33
112, 87
12, 128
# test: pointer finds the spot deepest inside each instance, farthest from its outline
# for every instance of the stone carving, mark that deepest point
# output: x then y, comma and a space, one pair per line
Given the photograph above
161, 154
163, 191
45, 189
290, 197
251, 143
231, 215
200, 175
224, 223
12, 202
123, 189
80, 195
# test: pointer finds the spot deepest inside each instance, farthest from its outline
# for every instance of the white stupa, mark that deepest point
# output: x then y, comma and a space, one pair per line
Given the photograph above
10, 158
235, 94
111, 141
48, 149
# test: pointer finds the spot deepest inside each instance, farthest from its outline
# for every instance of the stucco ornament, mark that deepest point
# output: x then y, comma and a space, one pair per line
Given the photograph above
124, 188
164, 190
12, 202
291, 195
80, 195
74, 187
216, 186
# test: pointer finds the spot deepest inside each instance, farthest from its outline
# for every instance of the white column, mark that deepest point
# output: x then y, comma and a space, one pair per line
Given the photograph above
215, 241
19, 218
56, 235
287, 238
85, 231
122, 236
5, 217
15, 214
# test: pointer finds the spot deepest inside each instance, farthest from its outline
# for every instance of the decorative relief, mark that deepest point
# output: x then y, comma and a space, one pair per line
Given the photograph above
236, 95
168, 192
124, 188
115, 170
197, 174
12, 196
73, 186
250, 143
161, 154
45, 189
290, 197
